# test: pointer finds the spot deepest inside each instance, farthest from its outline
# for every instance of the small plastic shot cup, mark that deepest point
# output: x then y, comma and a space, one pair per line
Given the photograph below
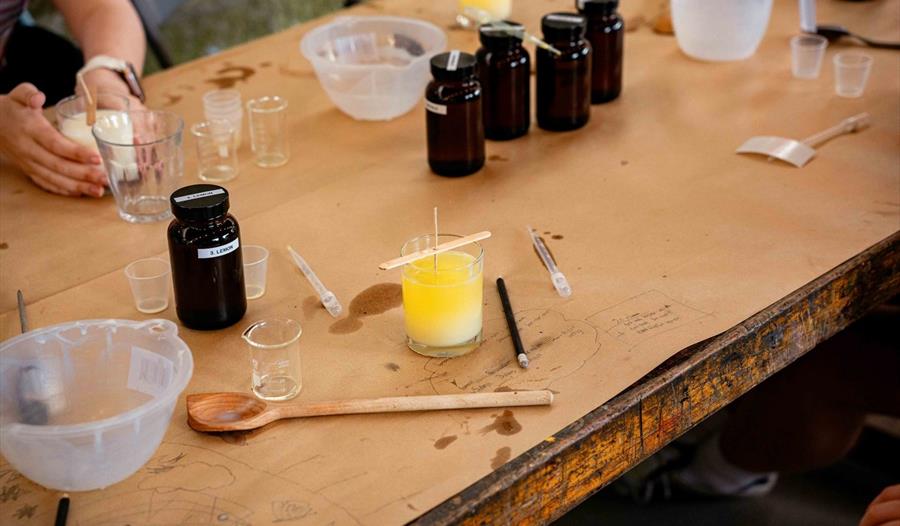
149, 280
225, 104
851, 72
256, 262
217, 159
807, 52
268, 131
274, 358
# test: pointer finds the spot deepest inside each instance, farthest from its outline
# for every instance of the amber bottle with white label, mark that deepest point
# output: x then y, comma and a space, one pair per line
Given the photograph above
205, 251
453, 116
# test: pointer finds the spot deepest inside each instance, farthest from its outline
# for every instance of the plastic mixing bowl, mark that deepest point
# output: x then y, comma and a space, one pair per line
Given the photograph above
373, 68
85, 404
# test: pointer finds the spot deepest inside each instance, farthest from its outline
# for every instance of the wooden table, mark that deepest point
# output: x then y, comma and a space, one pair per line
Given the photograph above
648, 195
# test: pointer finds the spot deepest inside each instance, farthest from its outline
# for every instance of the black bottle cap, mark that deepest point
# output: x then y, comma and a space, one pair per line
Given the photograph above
563, 26
453, 65
199, 202
492, 35
603, 7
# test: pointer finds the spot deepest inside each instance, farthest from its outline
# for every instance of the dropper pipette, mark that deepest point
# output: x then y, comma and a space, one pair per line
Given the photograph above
329, 300
559, 280
481, 17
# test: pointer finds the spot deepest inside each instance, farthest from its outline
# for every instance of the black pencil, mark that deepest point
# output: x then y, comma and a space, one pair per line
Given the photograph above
521, 357
62, 512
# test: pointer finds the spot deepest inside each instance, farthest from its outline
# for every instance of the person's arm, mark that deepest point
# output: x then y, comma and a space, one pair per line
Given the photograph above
105, 27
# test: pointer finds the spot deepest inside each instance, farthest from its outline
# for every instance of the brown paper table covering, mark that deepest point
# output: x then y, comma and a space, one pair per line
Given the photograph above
666, 236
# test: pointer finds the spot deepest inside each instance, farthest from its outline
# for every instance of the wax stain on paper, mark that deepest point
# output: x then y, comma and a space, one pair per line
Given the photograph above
443, 442
501, 457
229, 75
504, 424
376, 299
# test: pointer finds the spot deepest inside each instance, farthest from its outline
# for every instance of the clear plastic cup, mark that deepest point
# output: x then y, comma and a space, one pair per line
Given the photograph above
149, 280
851, 72
225, 104
807, 52
256, 263
142, 153
217, 159
71, 115
275, 358
268, 131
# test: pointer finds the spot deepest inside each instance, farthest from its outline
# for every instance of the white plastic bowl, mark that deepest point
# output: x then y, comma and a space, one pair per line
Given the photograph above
373, 67
85, 404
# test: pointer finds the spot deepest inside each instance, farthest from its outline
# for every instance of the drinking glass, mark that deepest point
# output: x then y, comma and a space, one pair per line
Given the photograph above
442, 304
142, 152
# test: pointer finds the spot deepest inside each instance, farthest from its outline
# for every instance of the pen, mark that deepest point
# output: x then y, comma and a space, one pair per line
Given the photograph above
521, 357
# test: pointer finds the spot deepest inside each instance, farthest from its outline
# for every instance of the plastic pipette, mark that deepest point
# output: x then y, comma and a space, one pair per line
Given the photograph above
481, 17
559, 281
329, 300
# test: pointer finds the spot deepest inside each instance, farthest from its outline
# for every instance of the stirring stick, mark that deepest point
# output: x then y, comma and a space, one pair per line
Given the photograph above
443, 247
519, 349
436, 238
559, 280
329, 300
92, 106
23, 317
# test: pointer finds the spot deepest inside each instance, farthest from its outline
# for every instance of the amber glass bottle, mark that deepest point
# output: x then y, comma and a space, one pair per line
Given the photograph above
605, 32
564, 80
453, 116
205, 251
505, 77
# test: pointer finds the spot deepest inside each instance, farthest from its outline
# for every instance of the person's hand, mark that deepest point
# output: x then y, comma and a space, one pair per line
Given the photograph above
884, 510
107, 81
54, 162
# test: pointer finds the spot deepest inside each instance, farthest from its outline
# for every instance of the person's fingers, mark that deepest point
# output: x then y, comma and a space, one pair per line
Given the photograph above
51, 140
28, 95
68, 185
888, 493
46, 185
881, 513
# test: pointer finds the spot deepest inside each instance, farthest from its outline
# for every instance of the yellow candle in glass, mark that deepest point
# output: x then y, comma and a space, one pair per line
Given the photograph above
497, 9
442, 306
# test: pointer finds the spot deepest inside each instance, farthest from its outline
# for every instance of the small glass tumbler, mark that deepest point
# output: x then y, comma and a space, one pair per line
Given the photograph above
268, 131
442, 304
225, 104
217, 159
275, 358
143, 156
149, 280
256, 263
807, 52
851, 72
71, 115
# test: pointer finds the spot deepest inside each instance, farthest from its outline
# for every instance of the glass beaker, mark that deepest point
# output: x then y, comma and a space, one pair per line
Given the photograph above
268, 131
275, 358
442, 305
217, 159
143, 157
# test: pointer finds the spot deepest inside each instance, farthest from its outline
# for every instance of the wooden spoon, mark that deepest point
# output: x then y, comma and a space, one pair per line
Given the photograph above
214, 412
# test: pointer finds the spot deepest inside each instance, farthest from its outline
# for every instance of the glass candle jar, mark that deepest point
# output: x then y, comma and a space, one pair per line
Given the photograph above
503, 71
205, 251
453, 116
442, 304
564, 80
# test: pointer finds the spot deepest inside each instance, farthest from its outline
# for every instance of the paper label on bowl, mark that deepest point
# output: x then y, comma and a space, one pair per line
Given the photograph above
148, 372
434, 107
214, 252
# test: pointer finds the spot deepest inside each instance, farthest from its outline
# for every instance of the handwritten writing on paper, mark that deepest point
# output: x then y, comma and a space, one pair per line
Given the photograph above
643, 317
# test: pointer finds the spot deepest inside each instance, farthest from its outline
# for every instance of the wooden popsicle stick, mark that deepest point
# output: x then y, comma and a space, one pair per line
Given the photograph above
443, 247
92, 106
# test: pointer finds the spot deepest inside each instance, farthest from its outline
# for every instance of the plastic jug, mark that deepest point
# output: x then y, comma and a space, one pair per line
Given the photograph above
720, 30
